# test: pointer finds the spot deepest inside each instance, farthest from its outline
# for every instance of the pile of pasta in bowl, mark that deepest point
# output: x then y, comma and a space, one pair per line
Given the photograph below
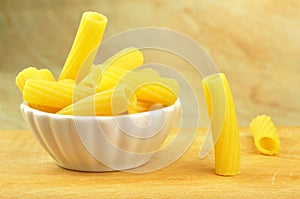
116, 86
109, 116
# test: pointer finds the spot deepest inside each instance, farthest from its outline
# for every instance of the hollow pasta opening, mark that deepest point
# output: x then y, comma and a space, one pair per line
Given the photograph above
267, 143
95, 16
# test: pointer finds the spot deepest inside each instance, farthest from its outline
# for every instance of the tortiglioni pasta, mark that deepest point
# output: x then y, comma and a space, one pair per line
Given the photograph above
82, 86
147, 88
91, 80
32, 73
87, 40
128, 58
105, 103
265, 135
53, 94
227, 146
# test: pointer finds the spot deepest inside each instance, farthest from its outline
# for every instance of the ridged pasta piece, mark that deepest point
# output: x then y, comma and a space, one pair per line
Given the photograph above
128, 58
145, 81
67, 81
147, 76
105, 103
156, 93
85, 46
45, 74
227, 142
32, 73
53, 94
44, 108
155, 89
142, 106
265, 135
148, 88
110, 78
24, 75
92, 78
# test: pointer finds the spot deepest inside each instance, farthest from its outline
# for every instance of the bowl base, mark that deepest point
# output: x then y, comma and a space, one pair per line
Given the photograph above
102, 168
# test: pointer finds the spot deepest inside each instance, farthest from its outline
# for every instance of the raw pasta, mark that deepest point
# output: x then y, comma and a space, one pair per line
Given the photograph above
227, 147
53, 94
32, 73
110, 78
85, 46
156, 93
147, 87
105, 103
140, 78
265, 135
67, 81
91, 80
128, 58
142, 106
44, 108
86, 89
45, 74
155, 89
113, 76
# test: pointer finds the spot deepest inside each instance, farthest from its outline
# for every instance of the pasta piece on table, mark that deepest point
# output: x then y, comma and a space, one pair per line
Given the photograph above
265, 135
224, 126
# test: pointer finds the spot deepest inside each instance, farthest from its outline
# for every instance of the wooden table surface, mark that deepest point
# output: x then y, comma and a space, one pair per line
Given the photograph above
26, 171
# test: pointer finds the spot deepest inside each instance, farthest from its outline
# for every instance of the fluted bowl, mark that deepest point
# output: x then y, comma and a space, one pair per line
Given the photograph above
102, 143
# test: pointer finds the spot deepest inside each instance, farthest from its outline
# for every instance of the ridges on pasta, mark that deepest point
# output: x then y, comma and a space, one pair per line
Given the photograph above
265, 135
224, 124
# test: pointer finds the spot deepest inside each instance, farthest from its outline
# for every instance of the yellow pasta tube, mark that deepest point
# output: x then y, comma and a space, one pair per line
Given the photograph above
67, 81
265, 135
92, 78
45, 74
227, 141
155, 89
148, 88
53, 94
105, 103
83, 51
147, 76
32, 73
128, 58
156, 93
142, 106
44, 108
110, 78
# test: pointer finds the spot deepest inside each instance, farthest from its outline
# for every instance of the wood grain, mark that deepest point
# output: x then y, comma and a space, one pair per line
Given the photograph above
26, 171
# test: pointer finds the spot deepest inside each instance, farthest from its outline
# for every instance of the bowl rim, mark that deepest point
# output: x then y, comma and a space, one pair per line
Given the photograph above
24, 106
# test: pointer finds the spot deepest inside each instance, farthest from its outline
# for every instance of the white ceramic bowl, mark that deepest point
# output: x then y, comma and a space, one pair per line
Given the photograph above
102, 143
